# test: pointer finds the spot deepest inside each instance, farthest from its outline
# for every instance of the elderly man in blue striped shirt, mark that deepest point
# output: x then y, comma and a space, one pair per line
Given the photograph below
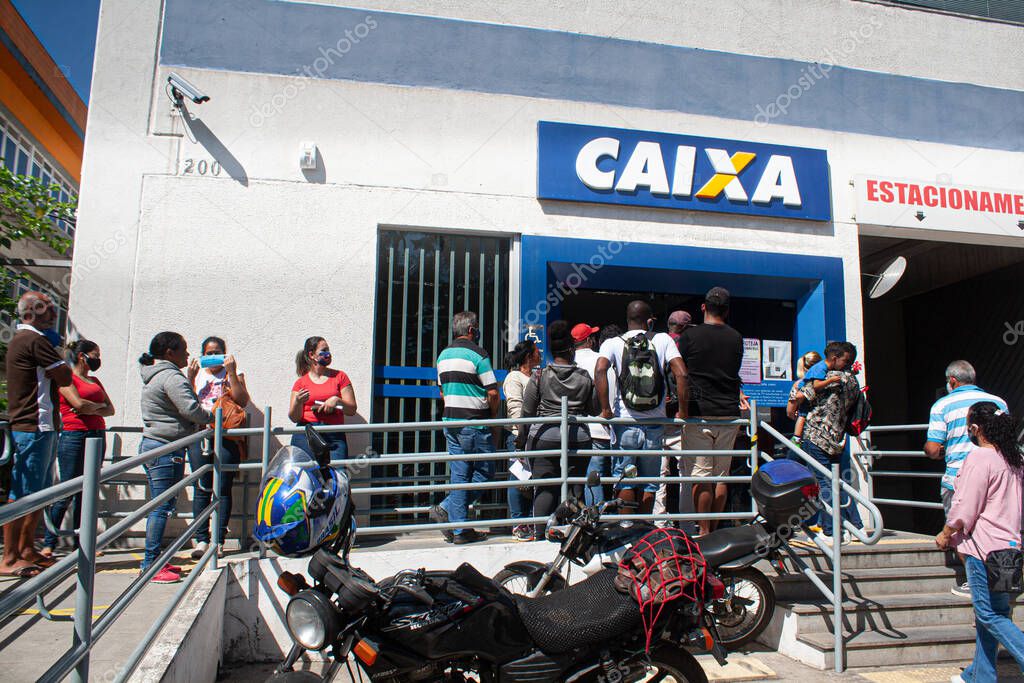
948, 437
470, 392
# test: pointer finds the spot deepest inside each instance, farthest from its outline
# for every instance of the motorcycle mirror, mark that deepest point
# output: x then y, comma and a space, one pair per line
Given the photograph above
321, 450
593, 478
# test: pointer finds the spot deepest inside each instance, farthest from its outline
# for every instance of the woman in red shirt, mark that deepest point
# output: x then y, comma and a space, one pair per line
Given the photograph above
320, 396
79, 424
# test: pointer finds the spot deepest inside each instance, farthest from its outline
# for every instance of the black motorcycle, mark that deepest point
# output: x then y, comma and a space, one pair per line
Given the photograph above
748, 603
460, 626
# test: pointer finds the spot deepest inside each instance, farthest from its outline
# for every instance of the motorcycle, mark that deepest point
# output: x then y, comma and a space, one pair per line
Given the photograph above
748, 603
460, 626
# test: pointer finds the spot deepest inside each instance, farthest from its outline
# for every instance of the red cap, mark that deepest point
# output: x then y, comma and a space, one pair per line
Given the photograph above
582, 331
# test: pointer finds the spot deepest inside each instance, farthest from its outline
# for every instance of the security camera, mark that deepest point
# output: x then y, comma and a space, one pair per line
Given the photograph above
180, 89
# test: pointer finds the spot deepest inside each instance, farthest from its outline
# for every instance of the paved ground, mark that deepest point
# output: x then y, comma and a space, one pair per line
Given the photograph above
754, 666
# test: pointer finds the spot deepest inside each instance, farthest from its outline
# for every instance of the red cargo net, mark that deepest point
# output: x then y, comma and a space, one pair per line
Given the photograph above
663, 566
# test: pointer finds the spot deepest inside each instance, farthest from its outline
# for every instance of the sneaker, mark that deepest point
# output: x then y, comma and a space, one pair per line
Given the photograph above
220, 550
172, 568
956, 678
166, 576
962, 591
438, 515
468, 536
200, 550
524, 532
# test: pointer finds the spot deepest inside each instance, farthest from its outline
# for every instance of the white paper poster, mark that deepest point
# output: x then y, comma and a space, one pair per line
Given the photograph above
750, 368
778, 360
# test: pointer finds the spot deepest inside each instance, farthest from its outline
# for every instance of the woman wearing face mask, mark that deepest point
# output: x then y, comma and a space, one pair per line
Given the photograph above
520, 362
170, 411
985, 517
320, 396
80, 421
210, 385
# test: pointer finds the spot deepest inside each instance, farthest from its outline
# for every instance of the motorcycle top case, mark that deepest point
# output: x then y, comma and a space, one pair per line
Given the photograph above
786, 493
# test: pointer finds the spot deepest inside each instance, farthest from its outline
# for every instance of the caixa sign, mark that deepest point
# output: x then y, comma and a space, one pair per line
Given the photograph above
618, 166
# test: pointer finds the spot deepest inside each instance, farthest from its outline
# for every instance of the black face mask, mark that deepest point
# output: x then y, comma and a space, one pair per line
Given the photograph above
973, 436
93, 363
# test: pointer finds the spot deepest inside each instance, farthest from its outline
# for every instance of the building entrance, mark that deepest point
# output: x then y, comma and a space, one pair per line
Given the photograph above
955, 301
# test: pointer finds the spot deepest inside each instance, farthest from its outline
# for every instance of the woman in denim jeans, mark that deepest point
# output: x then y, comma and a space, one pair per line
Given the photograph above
79, 422
985, 517
170, 411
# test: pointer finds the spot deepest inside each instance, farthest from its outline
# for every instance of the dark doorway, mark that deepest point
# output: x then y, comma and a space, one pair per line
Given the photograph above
954, 302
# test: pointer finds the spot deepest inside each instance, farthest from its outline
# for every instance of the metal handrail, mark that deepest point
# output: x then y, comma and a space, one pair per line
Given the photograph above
82, 561
87, 631
835, 594
869, 455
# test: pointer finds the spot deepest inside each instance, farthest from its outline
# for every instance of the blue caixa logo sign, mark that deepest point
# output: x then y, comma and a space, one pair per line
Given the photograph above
641, 168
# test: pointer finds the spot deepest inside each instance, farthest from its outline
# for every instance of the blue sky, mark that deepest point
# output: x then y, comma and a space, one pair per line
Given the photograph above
67, 29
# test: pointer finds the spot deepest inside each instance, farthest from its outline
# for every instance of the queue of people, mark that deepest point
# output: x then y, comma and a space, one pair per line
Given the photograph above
56, 404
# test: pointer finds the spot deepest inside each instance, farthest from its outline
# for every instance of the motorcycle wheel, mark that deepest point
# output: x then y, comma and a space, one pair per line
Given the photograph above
519, 578
746, 609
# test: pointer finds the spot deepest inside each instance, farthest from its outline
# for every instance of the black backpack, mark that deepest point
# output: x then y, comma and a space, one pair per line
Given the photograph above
860, 414
641, 381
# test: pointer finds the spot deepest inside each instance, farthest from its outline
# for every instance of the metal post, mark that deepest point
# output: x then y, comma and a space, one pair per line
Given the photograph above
266, 462
87, 555
752, 433
564, 460
837, 567
218, 444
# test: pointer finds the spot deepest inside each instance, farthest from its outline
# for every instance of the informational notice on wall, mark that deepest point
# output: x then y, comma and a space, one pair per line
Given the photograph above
777, 363
750, 368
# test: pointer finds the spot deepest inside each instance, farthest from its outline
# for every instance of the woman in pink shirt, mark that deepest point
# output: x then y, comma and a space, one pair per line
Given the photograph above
986, 516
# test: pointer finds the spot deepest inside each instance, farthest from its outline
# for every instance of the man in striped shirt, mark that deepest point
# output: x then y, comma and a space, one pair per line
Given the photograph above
470, 392
947, 435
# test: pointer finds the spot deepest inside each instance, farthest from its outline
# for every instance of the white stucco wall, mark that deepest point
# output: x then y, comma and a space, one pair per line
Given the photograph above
269, 257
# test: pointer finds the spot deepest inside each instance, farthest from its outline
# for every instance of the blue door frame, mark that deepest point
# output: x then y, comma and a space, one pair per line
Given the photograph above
554, 267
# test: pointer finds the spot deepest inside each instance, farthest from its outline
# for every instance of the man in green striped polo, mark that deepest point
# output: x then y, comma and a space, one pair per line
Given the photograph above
470, 392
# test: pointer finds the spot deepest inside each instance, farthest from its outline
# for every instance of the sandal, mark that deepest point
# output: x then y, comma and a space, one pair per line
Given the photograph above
24, 572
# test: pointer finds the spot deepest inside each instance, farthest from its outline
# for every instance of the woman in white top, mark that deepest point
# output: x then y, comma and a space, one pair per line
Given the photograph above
520, 362
210, 385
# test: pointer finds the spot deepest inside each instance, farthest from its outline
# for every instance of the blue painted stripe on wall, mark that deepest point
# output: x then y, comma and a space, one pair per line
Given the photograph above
266, 36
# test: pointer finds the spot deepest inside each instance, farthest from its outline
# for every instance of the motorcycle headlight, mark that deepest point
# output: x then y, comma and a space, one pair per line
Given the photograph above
312, 620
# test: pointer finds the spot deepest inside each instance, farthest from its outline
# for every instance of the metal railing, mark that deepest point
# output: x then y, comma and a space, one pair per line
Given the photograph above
870, 456
833, 508
82, 561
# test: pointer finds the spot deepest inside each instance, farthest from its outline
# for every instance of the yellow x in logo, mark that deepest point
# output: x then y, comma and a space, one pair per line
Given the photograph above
726, 169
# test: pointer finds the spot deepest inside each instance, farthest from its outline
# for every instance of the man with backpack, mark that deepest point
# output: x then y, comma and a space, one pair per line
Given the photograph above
712, 354
829, 404
639, 359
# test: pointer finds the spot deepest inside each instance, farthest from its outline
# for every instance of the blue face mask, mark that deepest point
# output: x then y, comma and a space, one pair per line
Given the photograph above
53, 336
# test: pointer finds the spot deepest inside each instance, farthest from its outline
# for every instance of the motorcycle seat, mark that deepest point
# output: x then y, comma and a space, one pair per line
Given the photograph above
584, 613
725, 545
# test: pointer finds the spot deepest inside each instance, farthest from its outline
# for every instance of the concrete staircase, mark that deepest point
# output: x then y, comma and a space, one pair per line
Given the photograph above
898, 607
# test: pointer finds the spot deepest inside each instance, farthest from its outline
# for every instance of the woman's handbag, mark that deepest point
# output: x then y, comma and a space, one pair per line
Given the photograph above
1005, 571
233, 416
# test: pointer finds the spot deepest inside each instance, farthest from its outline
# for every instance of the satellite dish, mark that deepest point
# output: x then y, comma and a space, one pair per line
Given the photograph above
887, 279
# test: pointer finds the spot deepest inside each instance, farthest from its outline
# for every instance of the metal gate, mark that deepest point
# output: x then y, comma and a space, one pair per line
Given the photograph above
423, 279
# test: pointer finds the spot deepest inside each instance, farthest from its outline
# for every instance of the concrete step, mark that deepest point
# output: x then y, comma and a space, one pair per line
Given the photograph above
865, 582
885, 554
927, 644
888, 613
